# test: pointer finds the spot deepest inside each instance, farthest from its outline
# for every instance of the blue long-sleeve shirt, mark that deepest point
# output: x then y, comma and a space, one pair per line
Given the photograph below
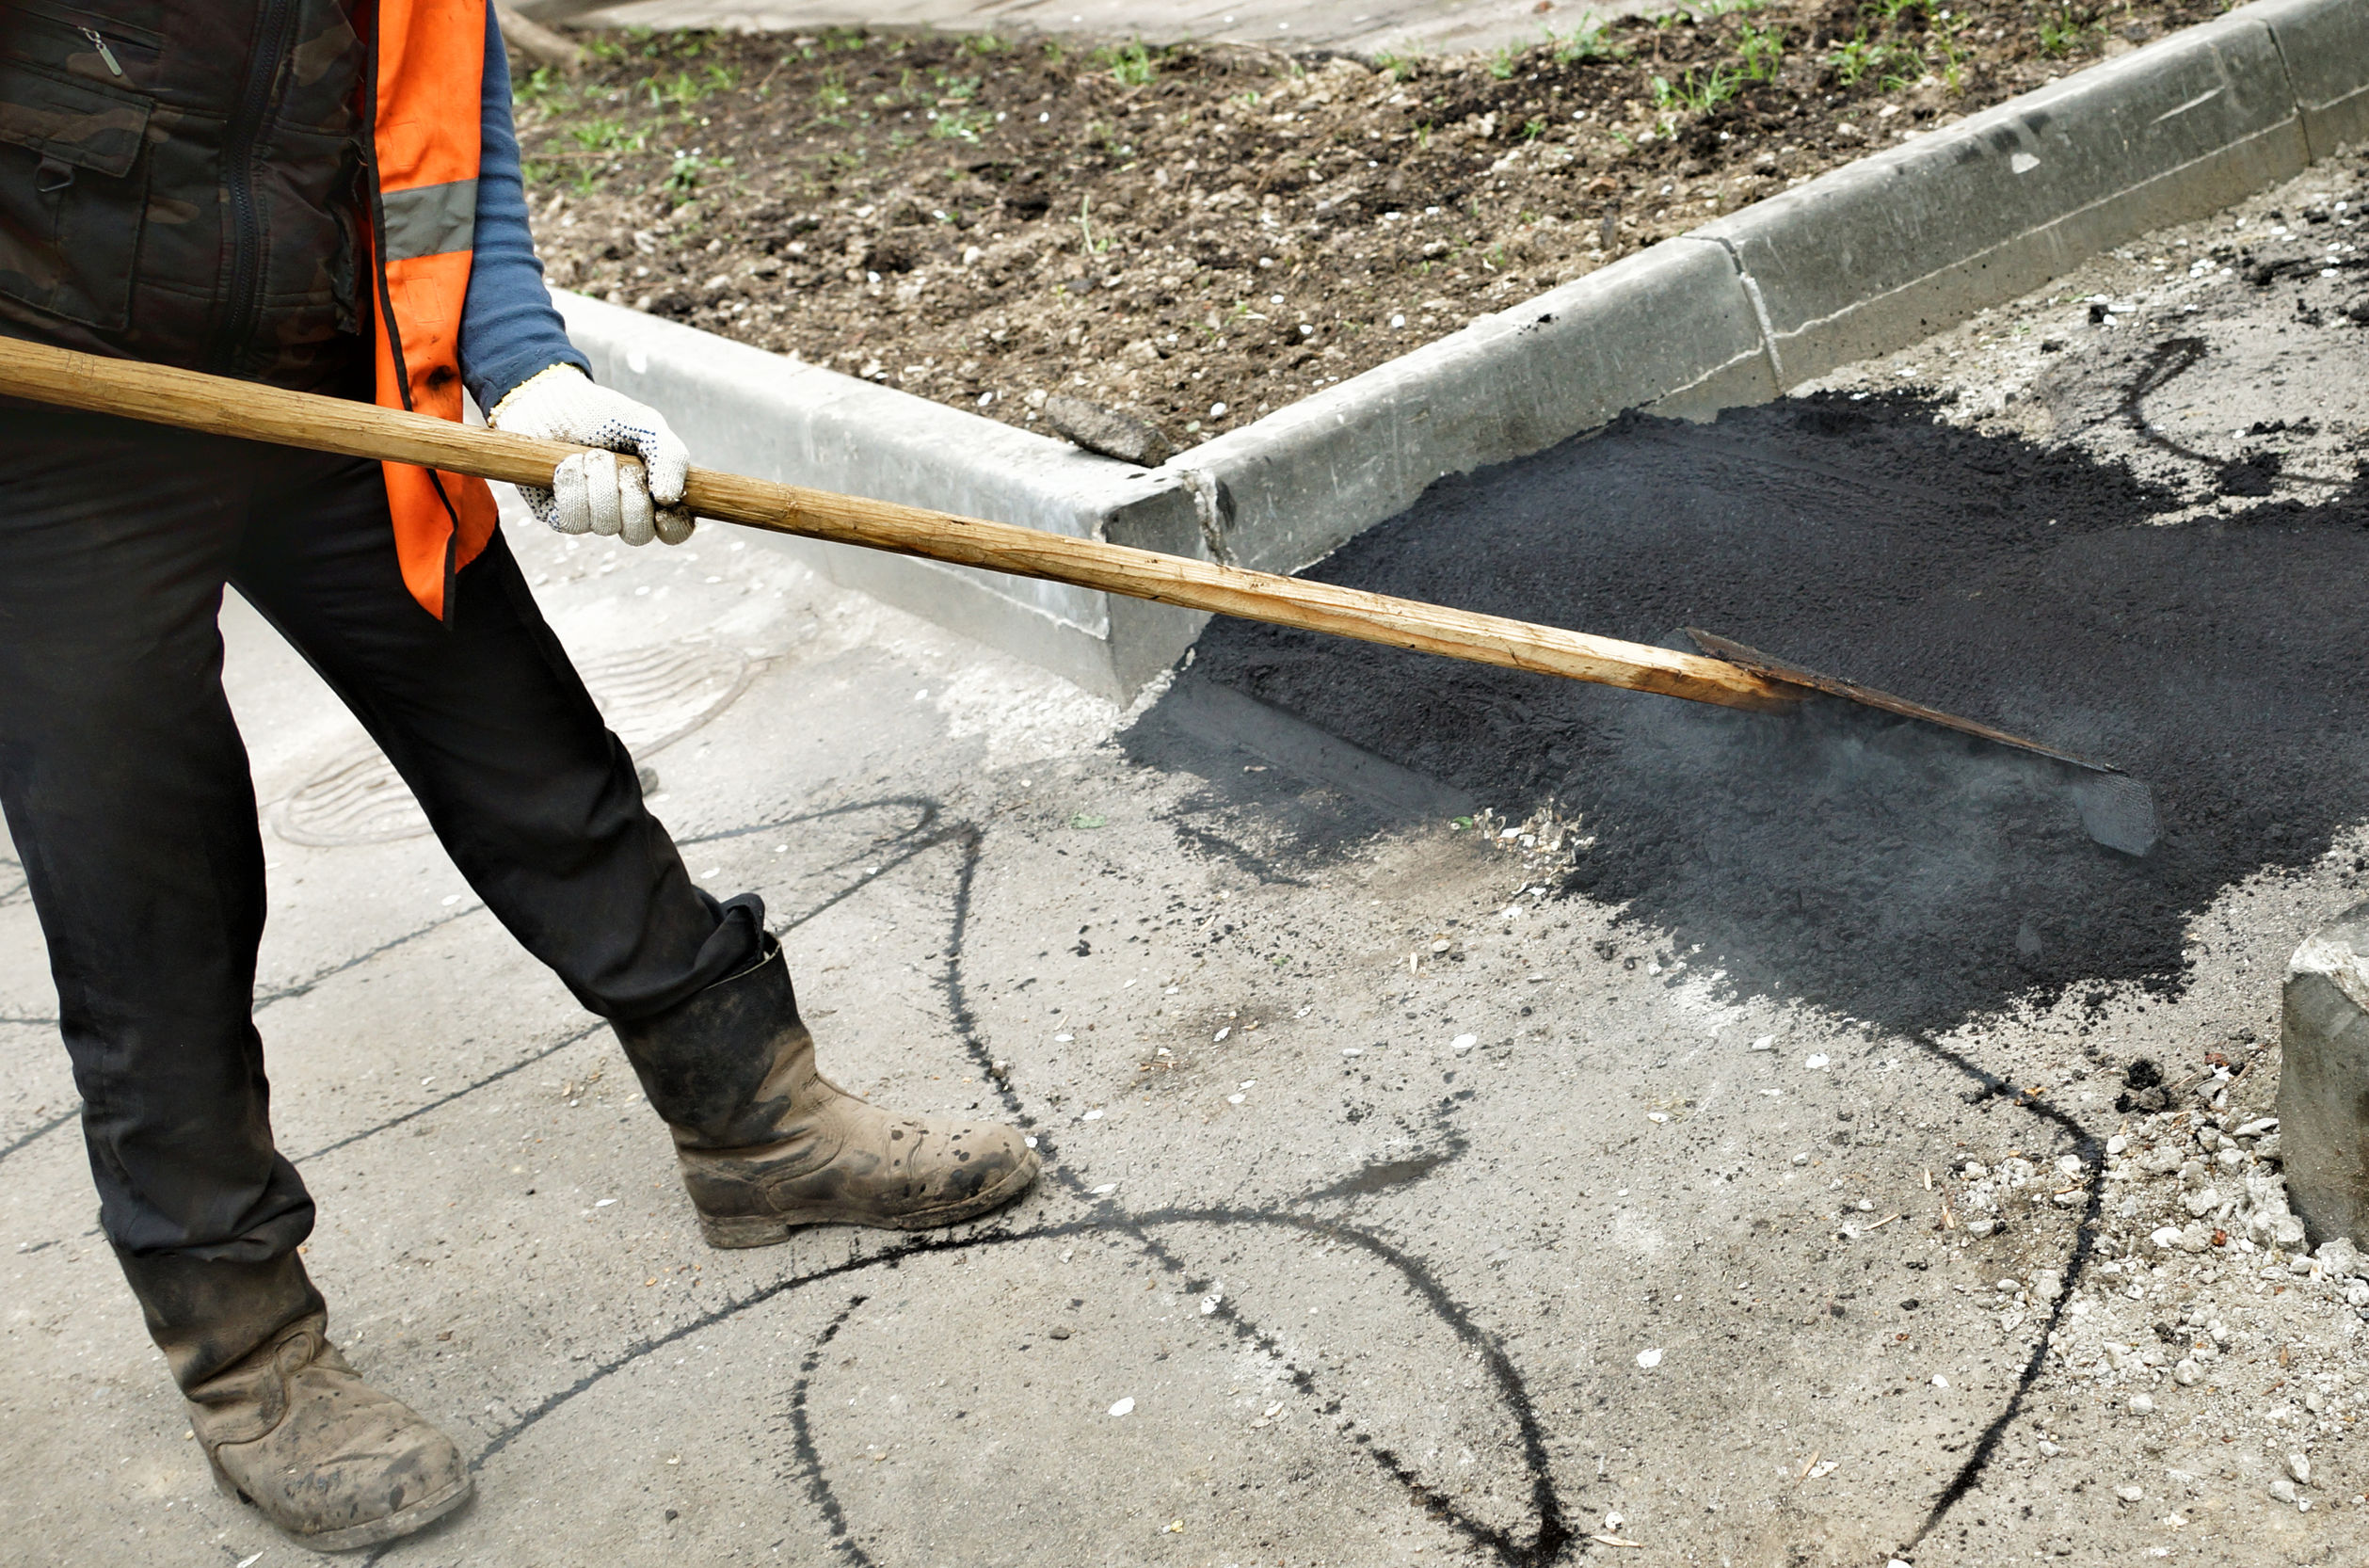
509, 330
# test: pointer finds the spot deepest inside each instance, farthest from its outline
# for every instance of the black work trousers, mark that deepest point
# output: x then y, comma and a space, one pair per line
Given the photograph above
127, 791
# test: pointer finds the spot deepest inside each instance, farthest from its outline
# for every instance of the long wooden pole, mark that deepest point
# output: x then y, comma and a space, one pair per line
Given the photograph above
216, 406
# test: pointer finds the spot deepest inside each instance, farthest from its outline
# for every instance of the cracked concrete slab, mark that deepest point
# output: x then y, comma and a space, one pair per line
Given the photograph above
1395, 1211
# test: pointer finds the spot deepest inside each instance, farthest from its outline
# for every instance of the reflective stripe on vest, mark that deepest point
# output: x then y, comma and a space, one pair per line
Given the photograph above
425, 126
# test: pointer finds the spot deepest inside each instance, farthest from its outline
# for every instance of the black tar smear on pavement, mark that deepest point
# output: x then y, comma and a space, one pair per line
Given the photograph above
1885, 869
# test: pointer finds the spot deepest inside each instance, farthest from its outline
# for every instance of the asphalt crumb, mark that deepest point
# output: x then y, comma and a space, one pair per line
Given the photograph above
1884, 868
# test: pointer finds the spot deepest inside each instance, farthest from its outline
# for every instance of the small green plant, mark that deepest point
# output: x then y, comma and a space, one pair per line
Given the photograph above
1533, 128
1054, 52
984, 43
2063, 33
1699, 91
1085, 226
1890, 64
608, 134
1504, 62
1762, 52
1953, 53
1423, 136
961, 124
685, 87
831, 94
1398, 68
1582, 43
683, 177
538, 85
1131, 64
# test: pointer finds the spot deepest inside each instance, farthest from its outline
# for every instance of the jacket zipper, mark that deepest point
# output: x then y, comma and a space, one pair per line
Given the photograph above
98, 42
245, 302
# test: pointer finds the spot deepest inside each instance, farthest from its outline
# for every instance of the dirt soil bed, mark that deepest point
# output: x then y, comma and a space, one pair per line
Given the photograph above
1200, 234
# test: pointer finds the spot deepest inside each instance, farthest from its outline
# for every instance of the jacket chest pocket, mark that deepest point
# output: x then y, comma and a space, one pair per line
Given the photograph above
73, 194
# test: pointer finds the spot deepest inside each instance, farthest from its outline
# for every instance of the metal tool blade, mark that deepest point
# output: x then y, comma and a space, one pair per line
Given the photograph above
2117, 810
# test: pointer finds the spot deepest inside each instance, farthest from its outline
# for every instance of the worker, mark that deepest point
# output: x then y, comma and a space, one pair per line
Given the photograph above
325, 195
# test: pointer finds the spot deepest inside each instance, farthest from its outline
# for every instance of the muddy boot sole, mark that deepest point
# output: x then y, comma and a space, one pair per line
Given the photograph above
354, 1538
765, 1230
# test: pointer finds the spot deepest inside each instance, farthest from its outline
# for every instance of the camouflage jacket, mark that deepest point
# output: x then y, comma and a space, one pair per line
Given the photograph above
177, 183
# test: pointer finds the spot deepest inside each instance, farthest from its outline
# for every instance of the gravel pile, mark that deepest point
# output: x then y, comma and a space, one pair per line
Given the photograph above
2200, 1318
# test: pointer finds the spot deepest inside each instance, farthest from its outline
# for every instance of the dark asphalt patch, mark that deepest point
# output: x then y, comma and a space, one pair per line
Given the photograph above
1884, 868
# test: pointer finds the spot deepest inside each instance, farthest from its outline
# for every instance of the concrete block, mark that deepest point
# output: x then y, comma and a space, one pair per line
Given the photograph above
1671, 328
2324, 1079
1906, 242
749, 411
2326, 46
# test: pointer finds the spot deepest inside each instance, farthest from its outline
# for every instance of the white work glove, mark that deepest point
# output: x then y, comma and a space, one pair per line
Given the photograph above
591, 493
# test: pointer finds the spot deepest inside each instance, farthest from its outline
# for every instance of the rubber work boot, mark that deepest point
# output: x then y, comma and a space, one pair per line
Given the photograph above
767, 1144
288, 1427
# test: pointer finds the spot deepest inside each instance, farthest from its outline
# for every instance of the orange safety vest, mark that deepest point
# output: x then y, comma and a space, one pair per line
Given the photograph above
428, 61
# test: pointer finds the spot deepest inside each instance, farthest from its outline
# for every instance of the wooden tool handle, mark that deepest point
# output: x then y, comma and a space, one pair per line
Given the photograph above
216, 406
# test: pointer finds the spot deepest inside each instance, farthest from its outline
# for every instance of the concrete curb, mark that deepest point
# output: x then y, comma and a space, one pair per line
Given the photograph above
1902, 244
2323, 1067
1669, 328
1862, 261
760, 413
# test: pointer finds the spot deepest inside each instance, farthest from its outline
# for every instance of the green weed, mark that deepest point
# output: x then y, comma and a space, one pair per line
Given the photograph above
1583, 43
1131, 64
1762, 52
2063, 33
538, 85
1701, 89
1864, 56
608, 134
685, 87
1085, 228
961, 124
